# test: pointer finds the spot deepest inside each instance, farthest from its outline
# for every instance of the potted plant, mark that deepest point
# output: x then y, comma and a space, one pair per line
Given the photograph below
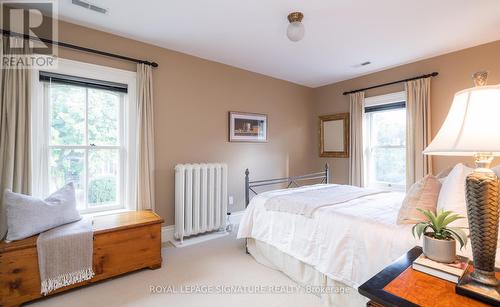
439, 239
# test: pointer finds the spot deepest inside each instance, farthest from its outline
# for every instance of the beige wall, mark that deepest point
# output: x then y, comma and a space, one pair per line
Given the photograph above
455, 70
191, 99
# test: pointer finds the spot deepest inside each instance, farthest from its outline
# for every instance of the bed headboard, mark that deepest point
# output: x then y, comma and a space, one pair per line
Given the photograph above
290, 181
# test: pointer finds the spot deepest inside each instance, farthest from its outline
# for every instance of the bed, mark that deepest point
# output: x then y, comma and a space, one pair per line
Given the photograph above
335, 250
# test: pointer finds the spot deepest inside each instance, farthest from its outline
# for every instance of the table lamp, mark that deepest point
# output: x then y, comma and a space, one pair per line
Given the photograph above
472, 128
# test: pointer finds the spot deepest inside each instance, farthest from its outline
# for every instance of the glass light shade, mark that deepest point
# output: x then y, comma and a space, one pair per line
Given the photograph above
295, 31
472, 125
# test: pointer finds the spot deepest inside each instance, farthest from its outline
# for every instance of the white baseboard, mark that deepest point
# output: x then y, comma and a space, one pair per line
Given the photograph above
167, 232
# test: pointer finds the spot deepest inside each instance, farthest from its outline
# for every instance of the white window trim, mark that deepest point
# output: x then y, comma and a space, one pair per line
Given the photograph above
376, 101
40, 126
385, 99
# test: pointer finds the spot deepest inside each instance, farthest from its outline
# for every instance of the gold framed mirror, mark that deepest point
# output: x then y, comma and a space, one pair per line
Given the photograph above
334, 135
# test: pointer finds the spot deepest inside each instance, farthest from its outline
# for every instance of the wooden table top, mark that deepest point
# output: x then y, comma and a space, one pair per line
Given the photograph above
400, 285
427, 290
101, 224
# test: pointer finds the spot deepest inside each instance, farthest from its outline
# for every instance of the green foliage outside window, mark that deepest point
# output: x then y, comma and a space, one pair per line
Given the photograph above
102, 190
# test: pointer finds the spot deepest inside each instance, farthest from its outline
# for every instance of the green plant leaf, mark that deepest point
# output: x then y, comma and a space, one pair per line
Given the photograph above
431, 217
459, 235
451, 219
420, 228
441, 217
413, 229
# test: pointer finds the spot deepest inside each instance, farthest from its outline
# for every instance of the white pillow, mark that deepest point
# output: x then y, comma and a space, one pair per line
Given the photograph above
28, 215
443, 174
452, 194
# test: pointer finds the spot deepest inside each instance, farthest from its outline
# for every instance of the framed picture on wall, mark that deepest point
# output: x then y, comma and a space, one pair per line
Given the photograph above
334, 135
247, 127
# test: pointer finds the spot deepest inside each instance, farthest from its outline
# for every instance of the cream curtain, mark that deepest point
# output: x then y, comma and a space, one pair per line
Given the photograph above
418, 121
15, 134
145, 139
356, 161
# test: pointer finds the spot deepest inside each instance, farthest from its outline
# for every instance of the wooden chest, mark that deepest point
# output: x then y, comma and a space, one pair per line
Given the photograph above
123, 242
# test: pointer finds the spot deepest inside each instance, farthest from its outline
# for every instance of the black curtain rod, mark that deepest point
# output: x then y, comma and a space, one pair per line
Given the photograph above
84, 49
394, 82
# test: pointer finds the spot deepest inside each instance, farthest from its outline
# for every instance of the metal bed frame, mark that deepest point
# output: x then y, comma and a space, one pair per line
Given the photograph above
290, 181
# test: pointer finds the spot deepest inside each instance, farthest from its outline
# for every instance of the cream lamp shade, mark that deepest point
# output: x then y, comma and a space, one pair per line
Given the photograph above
472, 125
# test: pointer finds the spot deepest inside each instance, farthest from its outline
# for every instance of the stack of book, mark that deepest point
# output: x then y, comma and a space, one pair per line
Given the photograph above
447, 271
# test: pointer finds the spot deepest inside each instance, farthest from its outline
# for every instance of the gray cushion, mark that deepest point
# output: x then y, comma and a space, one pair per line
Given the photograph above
28, 215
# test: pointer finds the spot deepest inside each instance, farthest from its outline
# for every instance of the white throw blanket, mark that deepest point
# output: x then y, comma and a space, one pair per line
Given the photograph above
306, 202
65, 255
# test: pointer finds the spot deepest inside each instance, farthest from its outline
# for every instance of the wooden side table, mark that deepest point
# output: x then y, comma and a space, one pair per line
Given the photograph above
398, 285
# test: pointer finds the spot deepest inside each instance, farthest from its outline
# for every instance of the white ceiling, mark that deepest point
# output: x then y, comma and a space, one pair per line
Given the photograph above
340, 34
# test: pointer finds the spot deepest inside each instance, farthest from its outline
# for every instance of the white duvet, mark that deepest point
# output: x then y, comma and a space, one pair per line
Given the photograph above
349, 242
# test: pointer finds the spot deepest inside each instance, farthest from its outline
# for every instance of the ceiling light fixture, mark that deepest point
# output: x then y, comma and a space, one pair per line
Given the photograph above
296, 30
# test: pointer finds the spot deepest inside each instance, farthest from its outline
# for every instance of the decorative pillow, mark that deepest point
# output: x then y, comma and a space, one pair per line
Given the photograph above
28, 216
422, 194
452, 195
443, 174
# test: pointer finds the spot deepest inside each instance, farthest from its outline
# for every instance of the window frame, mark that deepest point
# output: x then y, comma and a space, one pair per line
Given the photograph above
368, 147
127, 132
88, 147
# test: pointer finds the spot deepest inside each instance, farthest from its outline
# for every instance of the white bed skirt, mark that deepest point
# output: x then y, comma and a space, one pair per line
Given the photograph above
334, 293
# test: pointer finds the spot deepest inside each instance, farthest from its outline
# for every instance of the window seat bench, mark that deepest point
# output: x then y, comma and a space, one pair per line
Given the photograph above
123, 242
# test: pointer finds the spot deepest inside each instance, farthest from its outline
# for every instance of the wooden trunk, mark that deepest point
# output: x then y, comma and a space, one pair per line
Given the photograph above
123, 242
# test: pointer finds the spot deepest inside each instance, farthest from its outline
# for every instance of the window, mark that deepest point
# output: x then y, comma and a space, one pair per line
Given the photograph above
85, 143
87, 137
385, 142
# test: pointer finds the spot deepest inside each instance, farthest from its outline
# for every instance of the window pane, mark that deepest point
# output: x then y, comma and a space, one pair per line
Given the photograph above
389, 165
103, 117
67, 165
67, 114
103, 177
389, 128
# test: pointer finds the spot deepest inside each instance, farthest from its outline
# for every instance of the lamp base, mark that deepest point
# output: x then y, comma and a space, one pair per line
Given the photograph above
479, 291
482, 193
486, 278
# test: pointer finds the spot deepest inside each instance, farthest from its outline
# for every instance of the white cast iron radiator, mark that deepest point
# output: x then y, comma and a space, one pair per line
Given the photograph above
200, 198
